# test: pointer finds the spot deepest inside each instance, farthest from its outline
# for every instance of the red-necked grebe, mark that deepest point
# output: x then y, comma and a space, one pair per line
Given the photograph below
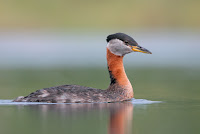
120, 88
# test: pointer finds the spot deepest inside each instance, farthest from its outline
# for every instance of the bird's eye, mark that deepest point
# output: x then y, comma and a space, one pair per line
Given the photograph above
126, 42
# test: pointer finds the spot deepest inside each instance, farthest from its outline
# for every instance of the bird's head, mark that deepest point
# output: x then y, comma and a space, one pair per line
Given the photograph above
121, 44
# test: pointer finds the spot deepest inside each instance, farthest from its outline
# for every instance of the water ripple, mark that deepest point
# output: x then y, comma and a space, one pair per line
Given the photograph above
133, 101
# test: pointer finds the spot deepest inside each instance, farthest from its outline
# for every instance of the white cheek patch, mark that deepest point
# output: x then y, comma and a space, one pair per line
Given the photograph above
118, 47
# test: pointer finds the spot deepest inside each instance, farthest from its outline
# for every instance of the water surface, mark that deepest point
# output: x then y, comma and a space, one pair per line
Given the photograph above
31, 61
111, 118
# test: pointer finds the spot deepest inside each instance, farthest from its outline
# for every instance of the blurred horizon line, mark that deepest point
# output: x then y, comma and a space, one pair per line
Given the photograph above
57, 49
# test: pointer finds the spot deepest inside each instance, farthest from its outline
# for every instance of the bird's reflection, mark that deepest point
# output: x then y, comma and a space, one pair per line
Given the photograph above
120, 114
121, 119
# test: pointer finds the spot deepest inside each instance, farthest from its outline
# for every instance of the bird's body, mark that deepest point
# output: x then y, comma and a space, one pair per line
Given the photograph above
73, 94
120, 88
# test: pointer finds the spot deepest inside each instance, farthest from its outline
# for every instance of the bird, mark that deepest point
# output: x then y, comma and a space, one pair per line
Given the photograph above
119, 89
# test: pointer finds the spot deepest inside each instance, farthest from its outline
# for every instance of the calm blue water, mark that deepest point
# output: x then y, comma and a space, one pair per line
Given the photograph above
176, 90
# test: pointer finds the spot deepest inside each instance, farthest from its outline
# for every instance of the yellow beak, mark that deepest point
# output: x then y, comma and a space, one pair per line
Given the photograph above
140, 49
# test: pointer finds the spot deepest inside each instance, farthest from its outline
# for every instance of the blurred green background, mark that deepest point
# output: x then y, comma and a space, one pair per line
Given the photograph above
89, 14
46, 43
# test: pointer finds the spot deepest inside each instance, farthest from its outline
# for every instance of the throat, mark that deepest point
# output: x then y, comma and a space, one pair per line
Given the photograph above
117, 72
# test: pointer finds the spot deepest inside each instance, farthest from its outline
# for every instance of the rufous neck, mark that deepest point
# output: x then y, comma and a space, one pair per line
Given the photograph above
116, 70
